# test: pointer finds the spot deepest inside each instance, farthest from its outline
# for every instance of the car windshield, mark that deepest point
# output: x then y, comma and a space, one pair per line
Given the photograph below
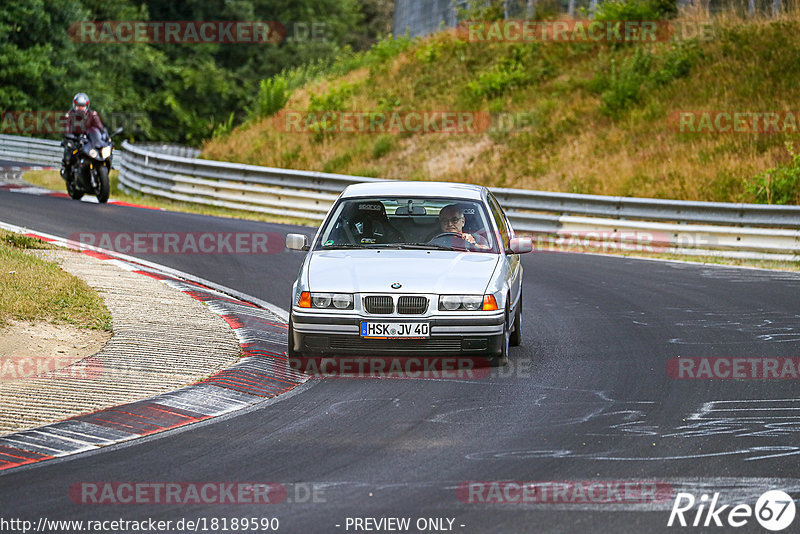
408, 223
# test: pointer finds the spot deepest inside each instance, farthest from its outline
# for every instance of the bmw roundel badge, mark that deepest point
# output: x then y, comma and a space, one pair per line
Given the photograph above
397, 285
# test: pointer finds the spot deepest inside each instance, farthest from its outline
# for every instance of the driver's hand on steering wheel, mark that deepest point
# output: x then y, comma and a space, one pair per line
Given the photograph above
468, 238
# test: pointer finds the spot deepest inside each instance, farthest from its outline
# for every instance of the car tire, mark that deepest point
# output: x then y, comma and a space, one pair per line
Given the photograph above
290, 352
502, 359
516, 334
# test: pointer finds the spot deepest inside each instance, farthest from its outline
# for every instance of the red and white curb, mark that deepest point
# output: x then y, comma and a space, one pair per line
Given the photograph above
263, 372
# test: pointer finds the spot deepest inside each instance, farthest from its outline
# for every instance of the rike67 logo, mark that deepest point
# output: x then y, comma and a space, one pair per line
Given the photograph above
774, 511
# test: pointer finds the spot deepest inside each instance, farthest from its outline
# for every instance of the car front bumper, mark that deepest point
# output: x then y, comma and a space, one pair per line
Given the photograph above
329, 334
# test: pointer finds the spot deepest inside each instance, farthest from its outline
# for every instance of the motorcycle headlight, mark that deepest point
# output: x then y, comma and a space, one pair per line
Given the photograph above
105, 152
93, 154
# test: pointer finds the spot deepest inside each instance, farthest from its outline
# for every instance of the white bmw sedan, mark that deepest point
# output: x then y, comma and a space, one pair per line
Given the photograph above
409, 268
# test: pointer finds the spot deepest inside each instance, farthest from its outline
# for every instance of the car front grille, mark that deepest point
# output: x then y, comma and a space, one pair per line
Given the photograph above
412, 305
379, 304
347, 344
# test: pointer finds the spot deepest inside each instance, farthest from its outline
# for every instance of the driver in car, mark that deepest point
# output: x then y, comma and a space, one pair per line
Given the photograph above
451, 220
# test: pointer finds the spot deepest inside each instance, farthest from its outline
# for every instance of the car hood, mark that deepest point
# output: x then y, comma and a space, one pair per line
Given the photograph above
418, 271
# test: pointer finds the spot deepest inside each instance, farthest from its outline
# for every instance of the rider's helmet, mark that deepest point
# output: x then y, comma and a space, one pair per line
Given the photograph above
80, 102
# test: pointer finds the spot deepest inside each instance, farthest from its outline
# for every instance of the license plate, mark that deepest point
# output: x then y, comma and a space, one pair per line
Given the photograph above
394, 330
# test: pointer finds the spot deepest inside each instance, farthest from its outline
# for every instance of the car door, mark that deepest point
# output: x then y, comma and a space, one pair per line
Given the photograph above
514, 267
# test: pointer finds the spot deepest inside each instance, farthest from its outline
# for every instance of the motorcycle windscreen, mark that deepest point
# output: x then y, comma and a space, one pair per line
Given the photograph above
97, 138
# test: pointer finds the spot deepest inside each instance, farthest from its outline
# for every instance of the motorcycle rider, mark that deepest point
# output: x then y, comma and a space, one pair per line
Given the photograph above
78, 120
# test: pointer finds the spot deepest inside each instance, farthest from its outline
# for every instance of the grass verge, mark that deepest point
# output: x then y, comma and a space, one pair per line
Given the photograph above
32, 289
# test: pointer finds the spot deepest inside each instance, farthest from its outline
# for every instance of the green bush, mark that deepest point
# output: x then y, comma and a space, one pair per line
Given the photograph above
386, 48
678, 62
224, 128
636, 10
337, 163
388, 103
625, 85
429, 52
383, 146
481, 10
334, 100
547, 10
522, 66
323, 125
272, 96
345, 60
779, 185
290, 157
495, 82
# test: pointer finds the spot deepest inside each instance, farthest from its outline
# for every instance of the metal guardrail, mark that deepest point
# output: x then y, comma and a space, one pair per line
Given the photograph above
729, 229
31, 150
172, 150
301, 194
726, 229
732, 214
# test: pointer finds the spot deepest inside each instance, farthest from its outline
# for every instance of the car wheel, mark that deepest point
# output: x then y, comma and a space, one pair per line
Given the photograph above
516, 335
502, 359
290, 352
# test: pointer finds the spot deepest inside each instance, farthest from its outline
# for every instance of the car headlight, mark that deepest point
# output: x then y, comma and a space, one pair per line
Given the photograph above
342, 301
339, 301
449, 302
465, 302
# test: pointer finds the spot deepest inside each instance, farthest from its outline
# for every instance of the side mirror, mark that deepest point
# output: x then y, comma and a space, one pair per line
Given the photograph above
520, 245
297, 242
116, 132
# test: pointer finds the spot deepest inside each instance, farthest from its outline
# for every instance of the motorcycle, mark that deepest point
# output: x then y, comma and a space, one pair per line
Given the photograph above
87, 170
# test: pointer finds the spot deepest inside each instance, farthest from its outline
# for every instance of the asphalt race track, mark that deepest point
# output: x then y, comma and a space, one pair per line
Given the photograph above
586, 398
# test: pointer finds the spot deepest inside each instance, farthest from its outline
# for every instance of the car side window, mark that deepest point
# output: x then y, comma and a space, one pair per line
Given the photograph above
500, 221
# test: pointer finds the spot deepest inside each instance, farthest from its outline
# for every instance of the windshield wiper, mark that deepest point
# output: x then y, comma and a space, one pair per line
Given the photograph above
423, 246
341, 245
411, 246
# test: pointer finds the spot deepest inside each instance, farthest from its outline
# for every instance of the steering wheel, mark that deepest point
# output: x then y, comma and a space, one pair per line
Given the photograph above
451, 235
